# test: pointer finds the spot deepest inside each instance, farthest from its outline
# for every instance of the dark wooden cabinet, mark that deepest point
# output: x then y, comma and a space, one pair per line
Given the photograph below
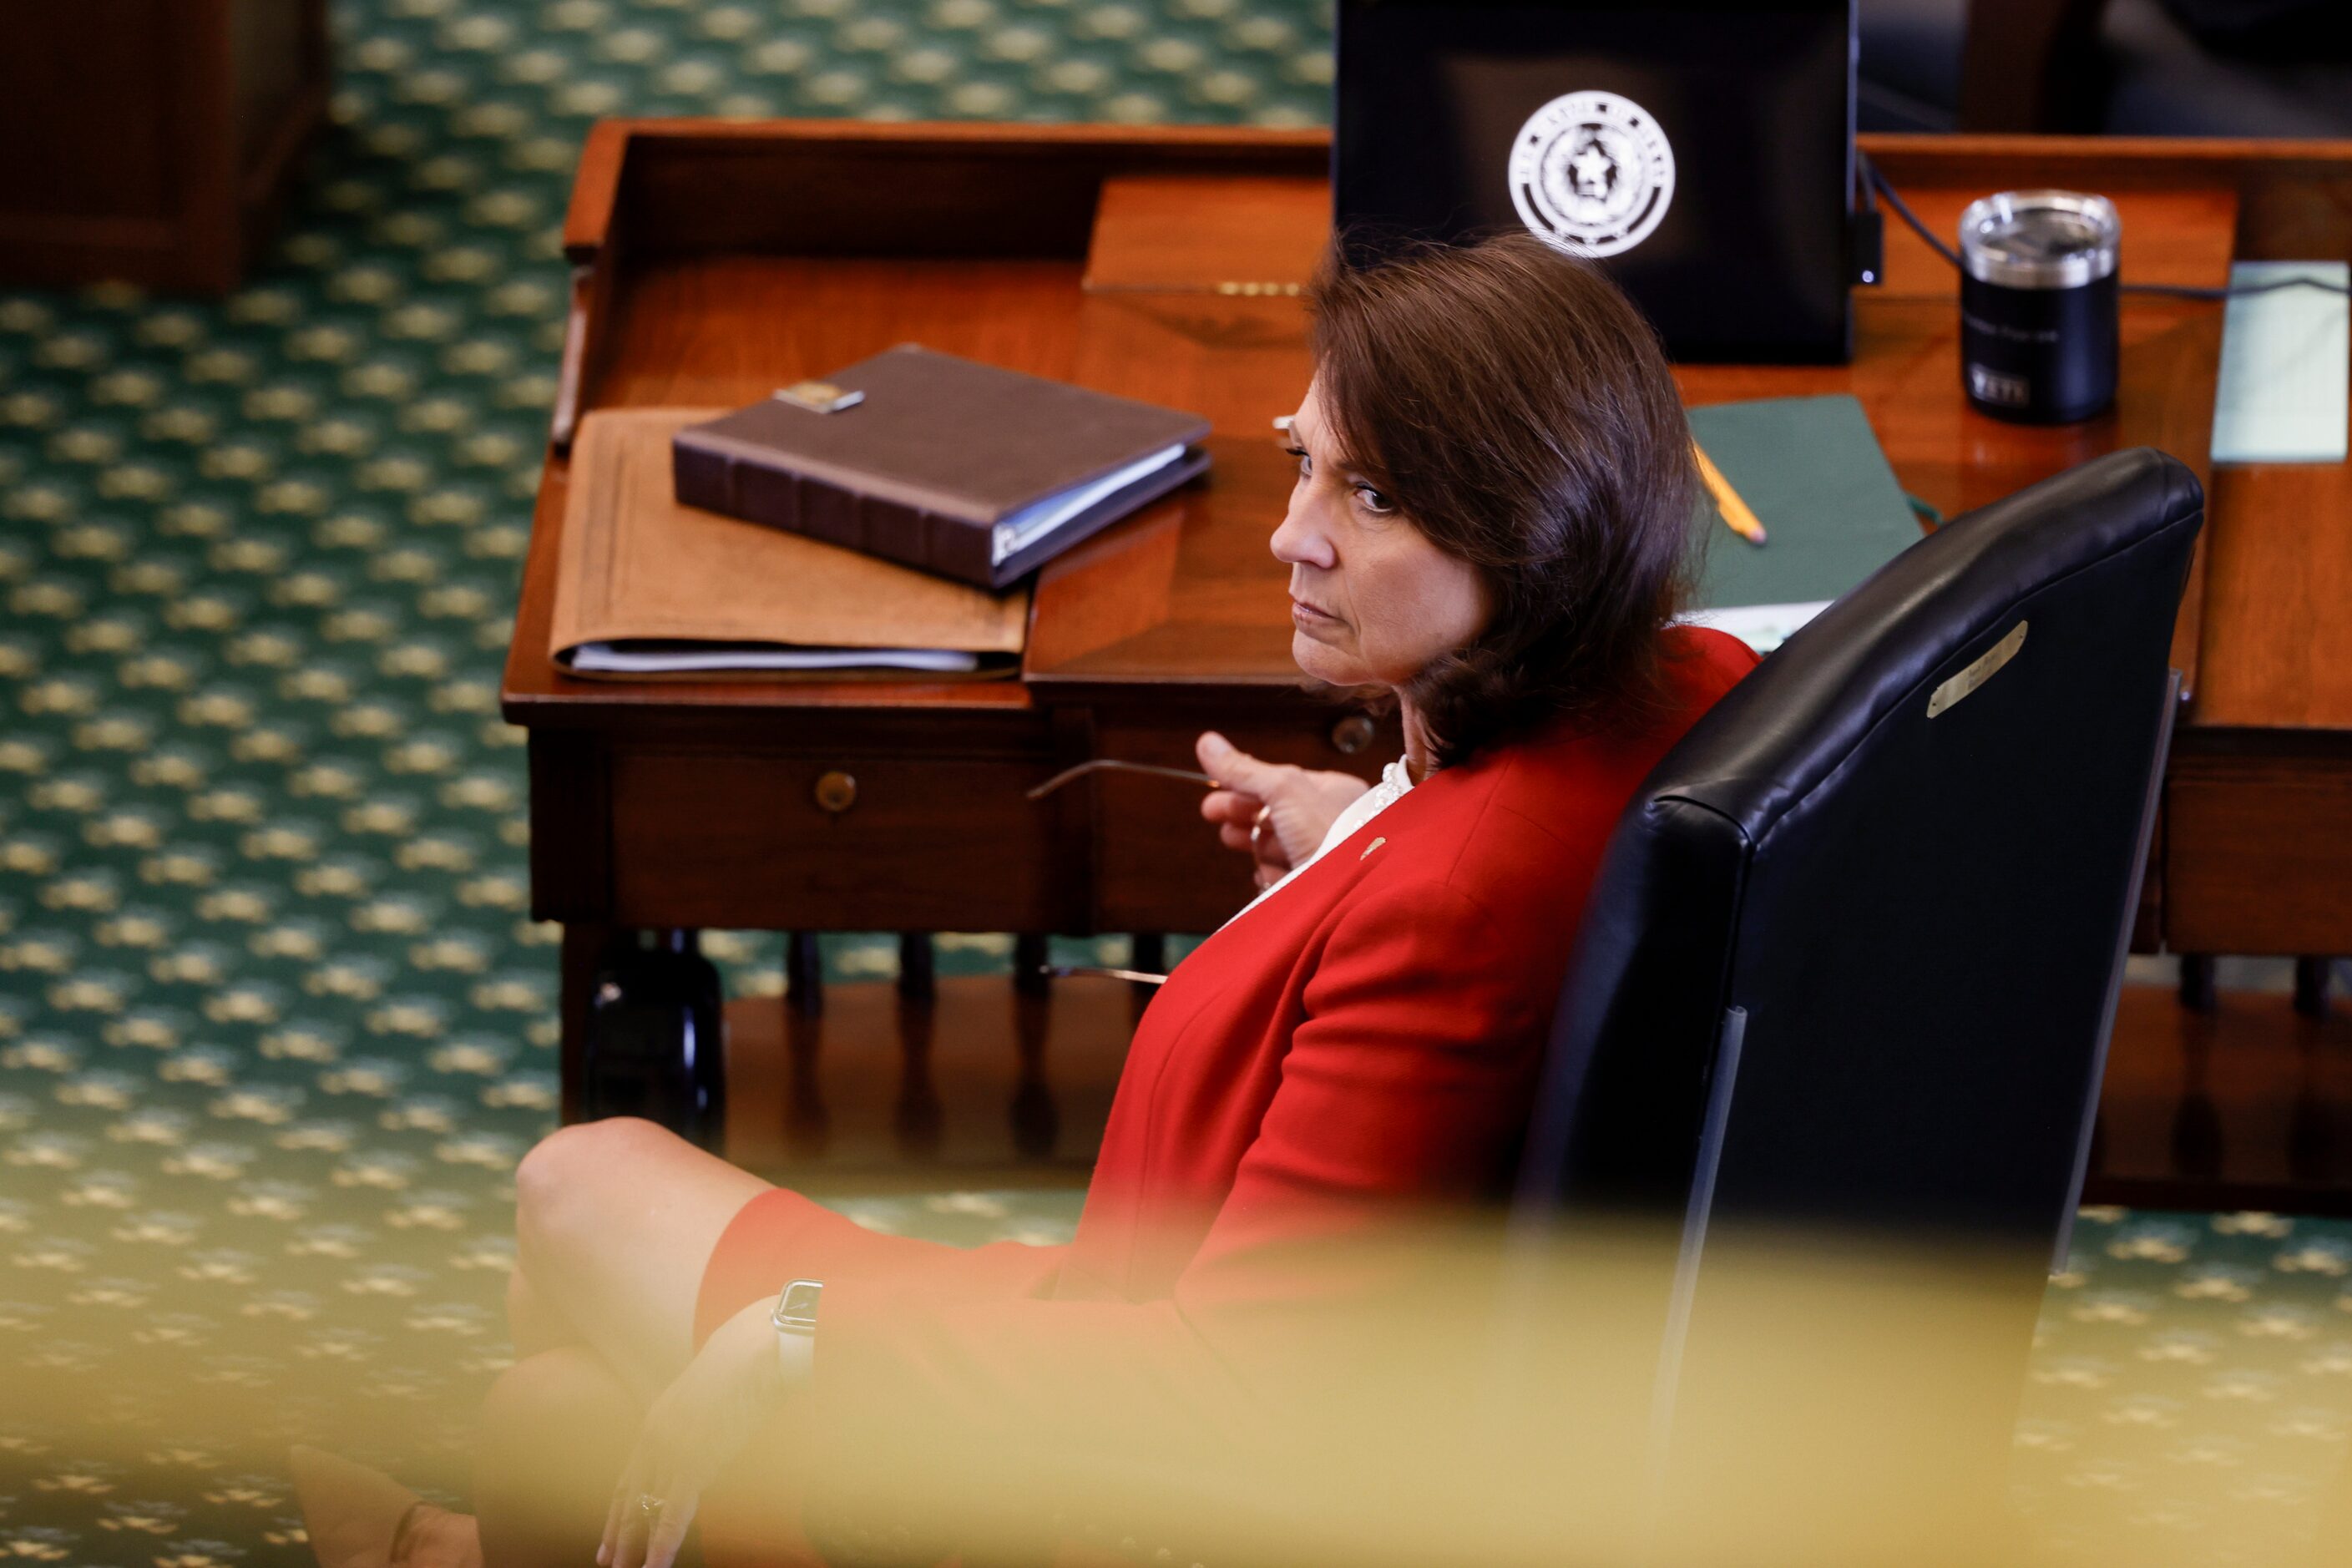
152, 140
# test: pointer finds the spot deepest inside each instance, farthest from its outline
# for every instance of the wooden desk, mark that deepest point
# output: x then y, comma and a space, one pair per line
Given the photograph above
713, 262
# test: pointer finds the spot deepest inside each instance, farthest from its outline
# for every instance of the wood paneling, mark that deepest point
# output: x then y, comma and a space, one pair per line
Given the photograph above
151, 139
2258, 853
64, 70
2278, 585
1230, 234
731, 327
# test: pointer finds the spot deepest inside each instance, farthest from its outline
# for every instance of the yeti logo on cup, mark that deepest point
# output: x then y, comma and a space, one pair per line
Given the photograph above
1592, 173
1991, 386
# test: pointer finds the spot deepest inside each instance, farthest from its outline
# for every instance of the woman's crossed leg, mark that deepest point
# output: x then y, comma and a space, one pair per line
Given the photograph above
614, 1221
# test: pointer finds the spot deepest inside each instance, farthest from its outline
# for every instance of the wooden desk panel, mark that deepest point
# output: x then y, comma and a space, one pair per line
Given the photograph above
2279, 586
729, 328
153, 141
2258, 849
729, 838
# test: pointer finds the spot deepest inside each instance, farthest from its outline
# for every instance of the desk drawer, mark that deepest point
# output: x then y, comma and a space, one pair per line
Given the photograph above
2257, 853
839, 841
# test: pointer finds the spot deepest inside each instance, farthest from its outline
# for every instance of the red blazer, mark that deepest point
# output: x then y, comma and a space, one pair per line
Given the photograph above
1367, 1036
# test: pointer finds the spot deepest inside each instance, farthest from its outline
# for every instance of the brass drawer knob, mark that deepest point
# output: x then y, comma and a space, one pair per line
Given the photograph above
1352, 734
837, 792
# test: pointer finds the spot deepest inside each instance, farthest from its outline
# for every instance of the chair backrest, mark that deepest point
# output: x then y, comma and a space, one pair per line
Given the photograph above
1851, 961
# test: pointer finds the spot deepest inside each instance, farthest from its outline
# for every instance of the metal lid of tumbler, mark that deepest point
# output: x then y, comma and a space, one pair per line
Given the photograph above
2039, 240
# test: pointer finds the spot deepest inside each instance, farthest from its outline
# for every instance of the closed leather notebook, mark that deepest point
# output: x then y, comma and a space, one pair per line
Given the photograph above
966, 469
648, 589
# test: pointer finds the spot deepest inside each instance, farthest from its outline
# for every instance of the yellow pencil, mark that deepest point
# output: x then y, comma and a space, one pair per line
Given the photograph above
1736, 515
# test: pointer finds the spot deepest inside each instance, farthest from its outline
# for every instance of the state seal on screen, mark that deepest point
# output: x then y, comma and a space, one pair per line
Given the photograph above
1592, 173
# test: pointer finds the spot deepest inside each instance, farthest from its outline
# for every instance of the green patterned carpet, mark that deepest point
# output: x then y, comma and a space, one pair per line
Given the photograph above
274, 1025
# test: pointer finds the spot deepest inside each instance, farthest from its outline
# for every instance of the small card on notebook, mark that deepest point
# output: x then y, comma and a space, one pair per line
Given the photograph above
966, 469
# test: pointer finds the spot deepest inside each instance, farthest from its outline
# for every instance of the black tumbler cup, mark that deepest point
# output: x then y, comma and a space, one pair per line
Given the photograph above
2038, 306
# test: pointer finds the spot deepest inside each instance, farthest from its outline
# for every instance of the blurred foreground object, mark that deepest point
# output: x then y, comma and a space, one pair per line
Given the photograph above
152, 141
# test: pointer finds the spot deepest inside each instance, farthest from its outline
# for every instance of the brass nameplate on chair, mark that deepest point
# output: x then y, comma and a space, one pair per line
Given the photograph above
1959, 686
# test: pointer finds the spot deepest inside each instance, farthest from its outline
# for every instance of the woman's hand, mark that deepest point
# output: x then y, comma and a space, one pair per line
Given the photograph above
697, 1425
1300, 805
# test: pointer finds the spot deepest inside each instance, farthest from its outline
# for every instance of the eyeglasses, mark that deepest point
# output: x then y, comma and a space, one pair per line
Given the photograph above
1111, 764
1069, 775
1101, 972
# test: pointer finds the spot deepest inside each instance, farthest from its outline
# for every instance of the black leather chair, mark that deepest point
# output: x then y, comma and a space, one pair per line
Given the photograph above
1850, 966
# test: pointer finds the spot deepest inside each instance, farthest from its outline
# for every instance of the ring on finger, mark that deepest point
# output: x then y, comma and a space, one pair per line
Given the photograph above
649, 1506
1258, 825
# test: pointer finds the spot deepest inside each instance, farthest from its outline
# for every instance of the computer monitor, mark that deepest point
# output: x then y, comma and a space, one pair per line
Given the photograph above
1701, 150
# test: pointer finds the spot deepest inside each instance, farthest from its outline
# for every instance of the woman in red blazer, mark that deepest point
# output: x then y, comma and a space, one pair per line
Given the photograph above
1491, 522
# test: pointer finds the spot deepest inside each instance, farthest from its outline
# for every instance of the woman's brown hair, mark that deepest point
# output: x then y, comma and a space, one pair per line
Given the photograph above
1515, 405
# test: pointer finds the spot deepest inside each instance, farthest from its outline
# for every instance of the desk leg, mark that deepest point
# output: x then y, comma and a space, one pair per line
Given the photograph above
1037, 1119
919, 1118
1029, 955
2197, 981
803, 974
808, 1120
918, 975
584, 943
1151, 957
2310, 977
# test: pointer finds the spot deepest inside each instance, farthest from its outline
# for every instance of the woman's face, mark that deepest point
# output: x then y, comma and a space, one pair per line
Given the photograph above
1372, 601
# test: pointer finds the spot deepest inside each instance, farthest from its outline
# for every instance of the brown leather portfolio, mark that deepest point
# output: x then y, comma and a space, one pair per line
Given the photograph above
967, 470
649, 589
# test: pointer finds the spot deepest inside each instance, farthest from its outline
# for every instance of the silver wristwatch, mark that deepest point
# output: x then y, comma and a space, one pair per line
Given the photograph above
795, 1312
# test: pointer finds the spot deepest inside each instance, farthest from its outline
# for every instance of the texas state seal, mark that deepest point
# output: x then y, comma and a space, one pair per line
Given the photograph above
1592, 173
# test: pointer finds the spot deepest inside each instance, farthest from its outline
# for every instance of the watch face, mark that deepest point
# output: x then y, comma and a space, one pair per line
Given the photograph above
796, 1308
